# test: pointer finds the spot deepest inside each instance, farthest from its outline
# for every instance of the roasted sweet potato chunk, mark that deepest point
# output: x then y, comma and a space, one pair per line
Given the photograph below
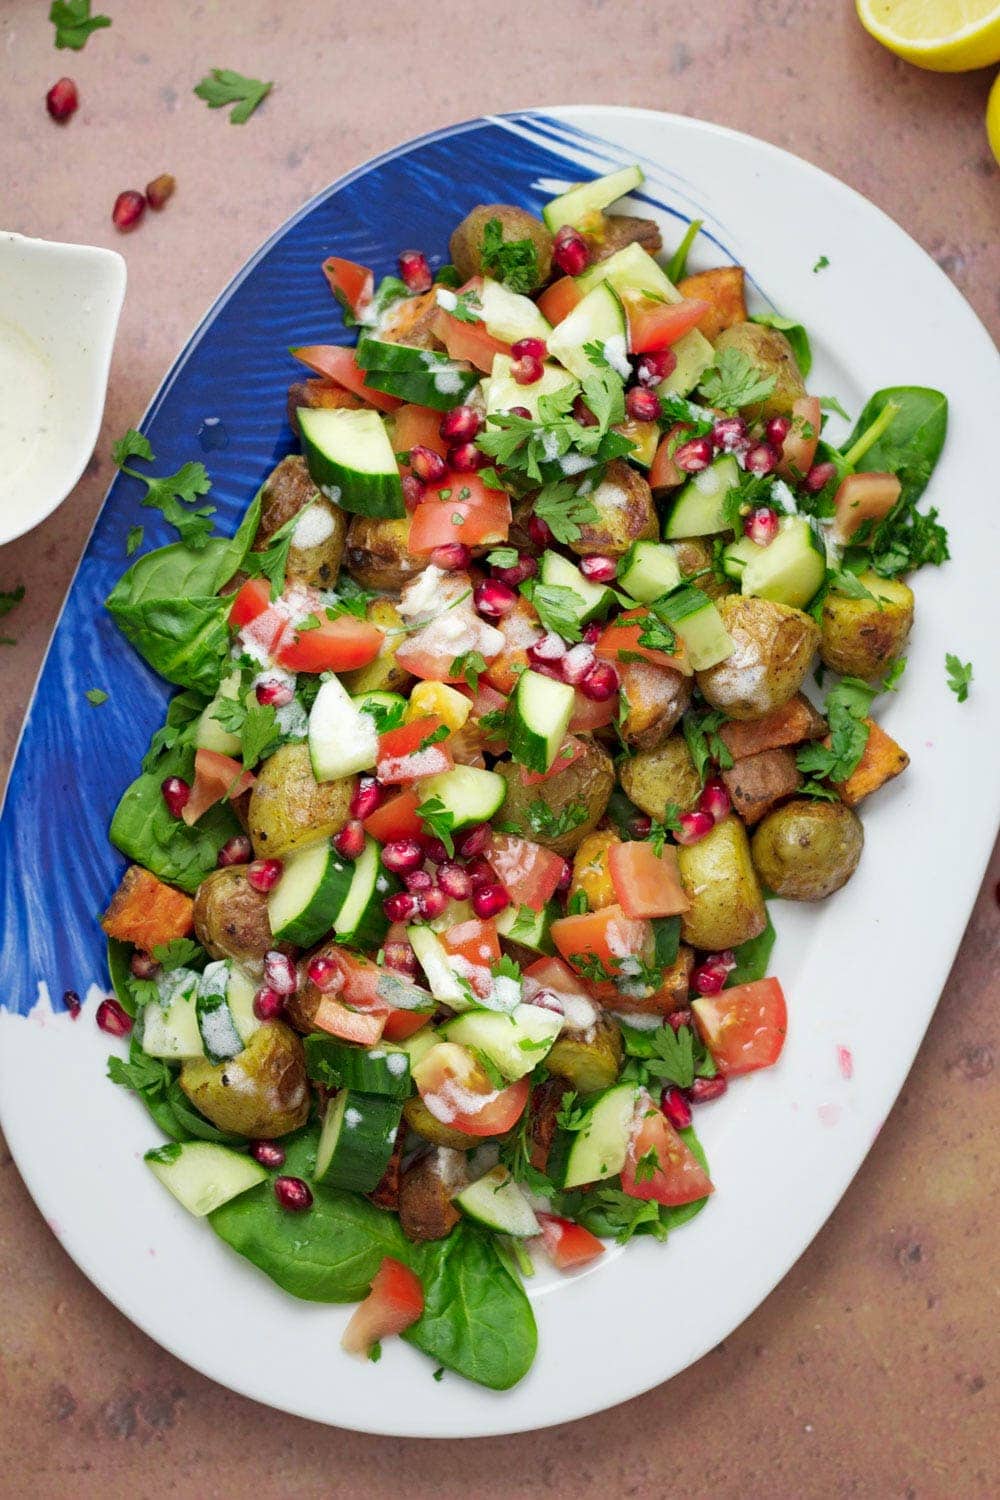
426, 1189
790, 724
145, 912
759, 782
881, 761
723, 290
615, 231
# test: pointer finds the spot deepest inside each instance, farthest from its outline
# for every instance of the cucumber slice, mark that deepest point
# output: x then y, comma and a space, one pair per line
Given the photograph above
600, 319
694, 356
581, 203
514, 1043
210, 734
342, 739
790, 569
501, 391
401, 359
356, 1141
311, 890
698, 509
699, 625
419, 1044
468, 793
350, 458
508, 316
497, 1202
598, 1149
203, 1176
361, 921
519, 924
435, 960
170, 1024
648, 571
240, 994
216, 1023
595, 598
440, 387
538, 718
737, 555
378, 705
372, 1070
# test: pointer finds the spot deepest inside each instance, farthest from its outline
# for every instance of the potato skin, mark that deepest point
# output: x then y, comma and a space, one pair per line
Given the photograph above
769, 352
757, 783
672, 994
625, 514
655, 698
590, 869
588, 1060
727, 905
383, 674
694, 554
589, 780
287, 489
420, 1120
614, 231
807, 849
289, 807
230, 918
426, 1187
773, 647
859, 639
466, 243
378, 554
261, 1094
655, 778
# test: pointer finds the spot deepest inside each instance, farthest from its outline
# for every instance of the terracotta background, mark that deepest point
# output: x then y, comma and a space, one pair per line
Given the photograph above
873, 1369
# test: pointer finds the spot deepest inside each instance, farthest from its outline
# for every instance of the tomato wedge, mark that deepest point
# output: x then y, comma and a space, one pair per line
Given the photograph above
469, 341
556, 975
569, 751
404, 754
660, 1166
743, 1028
395, 1301
567, 1244
519, 629
654, 325
558, 300
475, 942
334, 646
589, 715
251, 599
647, 884
457, 1092
799, 448
423, 654
402, 1023
417, 426
362, 1026
460, 509
608, 935
396, 818
664, 473
528, 873
339, 364
351, 284
863, 497
622, 635
215, 776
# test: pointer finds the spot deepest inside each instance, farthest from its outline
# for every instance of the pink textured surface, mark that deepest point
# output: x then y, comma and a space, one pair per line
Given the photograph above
873, 1368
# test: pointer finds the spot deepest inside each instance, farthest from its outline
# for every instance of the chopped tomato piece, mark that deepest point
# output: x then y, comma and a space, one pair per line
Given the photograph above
395, 1301
145, 912
528, 873
251, 599
403, 1023
334, 646
456, 1090
520, 629
558, 300
660, 1165
553, 974
362, 1026
664, 473
404, 754
799, 448
417, 426
340, 365
863, 497
396, 819
608, 935
622, 635
215, 776
568, 1244
423, 655
460, 509
477, 944
589, 714
647, 884
654, 325
743, 1028
469, 341
351, 284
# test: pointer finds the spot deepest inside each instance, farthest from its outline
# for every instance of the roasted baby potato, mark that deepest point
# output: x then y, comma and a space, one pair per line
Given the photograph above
614, 231
426, 1189
289, 807
773, 646
625, 514
759, 782
723, 290
589, 1060
315, 554
671, 995
807, 849
261, 1093
655, 778
727, 906
590, 869
694, 554
230, 918
580, 792
420, 1120
860, 637
383, 674
770, 353
378, 554
655, 698
466, 243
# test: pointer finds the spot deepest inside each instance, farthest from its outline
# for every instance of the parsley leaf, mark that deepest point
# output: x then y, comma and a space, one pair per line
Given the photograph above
468, 307
571, 1116
959, 676
821, 264
260, 735
170, 494
470, 665
438, 820
564, 511
96, 696
559, 608
221, 87
604, 393
441, 732
735, 381
647, 1165
895, 671
386, 715
272, 561
74, 23
542, 819
701, 733
503, 557
514, 262
846, 709
134, 540
656, 633
179, 953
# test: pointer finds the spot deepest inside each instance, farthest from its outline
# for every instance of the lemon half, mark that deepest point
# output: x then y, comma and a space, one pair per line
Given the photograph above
947, 36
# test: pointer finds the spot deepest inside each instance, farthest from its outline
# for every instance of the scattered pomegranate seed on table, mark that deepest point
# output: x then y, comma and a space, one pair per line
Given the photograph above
112, 1018
160, 190
128, 210
71, 1000
62, 100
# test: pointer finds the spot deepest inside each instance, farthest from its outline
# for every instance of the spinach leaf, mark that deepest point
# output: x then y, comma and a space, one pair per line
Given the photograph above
794, 333
912, 443
121, 975
752, 958
156, 1085
611, 1213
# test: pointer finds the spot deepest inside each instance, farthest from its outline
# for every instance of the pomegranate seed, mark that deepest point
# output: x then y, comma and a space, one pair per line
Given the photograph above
525, 567
519, 411
160, 189
599, 569
368, 795
761, 525
432, 903
401, 855
776, 430
708, 978
546, 1000
548, 651
435, 851
415, 271
576, 664
529, 349
350, 841
675, 1107
71, 1000
400, 957
583, 414
236, 852
62, 100
276, 693
642, 404
640, 826
715, 800
600, 683
268, 1153
494, 599
323, 973
481, 873
264, 874
570, 251
460, 425
694, 826
488, 900
593, 633
268, 1005
128, 210
694, 455
418, 881
467, 458
453, 557
680, 1018
818, 477
474, 840
143, 965
655, 366
761, 459
729, 433
414, 490
455, 881
112, 1018
527, 370
566, 877
427, 464
704, 1090
293, 1194
175, 794
279, 971
401, 907
539, 531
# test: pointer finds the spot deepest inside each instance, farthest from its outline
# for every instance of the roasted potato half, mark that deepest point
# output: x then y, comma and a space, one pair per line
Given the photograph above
580, 792
727, 905
589, 1060
860, 637
383, 674
694, 555
261, 1093
318, 543
773, 647
655, 698
420, 1120
807, 849
426, 1189
378, 553
289, 807
625, 514
656, 778
770, 353
230, 918
612, 232
466, 243
590, 869
724, 290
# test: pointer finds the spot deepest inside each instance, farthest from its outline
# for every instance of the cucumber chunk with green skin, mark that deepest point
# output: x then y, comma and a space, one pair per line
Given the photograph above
361, 921
501, 391
514, 1043
581, 203
699, 625
370, 1070
342, 737
210, 734
497, 1202
446, 985
600, 319
440, 387
737, 555
216, 1023
595, 598
788, 570
519, 924
538, 717
694, 356
311, 890
419, 1044
350, 458
508, 316
380, 705
170, 1025
596, 1151
468, 793
699, 509
203, 1176
648, 571
356, 1141
401, 359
